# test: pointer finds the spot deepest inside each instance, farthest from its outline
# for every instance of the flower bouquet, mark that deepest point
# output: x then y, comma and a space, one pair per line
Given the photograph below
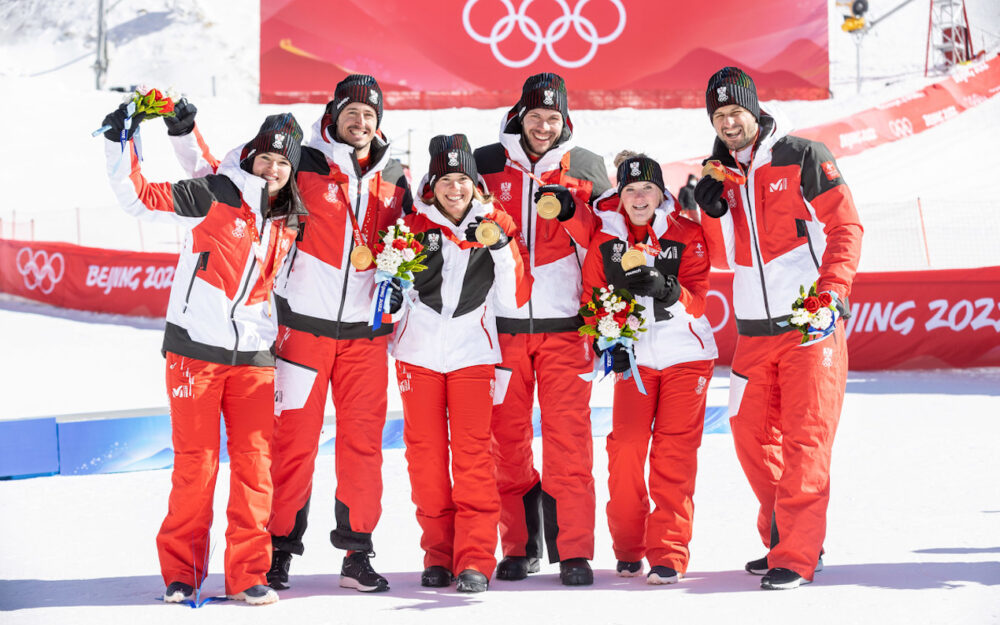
814, 314
398, 255
613, 317
148, 103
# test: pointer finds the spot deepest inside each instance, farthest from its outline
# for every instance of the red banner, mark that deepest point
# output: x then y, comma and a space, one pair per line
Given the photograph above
87, 278
908, 319
902, 320
477, 53
897, 119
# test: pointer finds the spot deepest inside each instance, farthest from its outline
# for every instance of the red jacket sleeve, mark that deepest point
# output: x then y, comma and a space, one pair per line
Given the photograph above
692, 275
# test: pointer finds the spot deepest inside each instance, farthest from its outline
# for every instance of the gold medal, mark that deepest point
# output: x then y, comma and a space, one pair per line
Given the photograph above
487, 233
361, 257
548, 206
632, 259
715, 170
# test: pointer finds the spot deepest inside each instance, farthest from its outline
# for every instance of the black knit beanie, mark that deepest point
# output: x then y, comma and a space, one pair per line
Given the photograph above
280, 134
639, 169
356, 88
451, 154
544, 91
731, 85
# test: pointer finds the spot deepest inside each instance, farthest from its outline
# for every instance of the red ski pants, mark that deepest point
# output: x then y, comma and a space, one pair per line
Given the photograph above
673, 415
555, 360
356, 371
198, 392
458, 510
784, 406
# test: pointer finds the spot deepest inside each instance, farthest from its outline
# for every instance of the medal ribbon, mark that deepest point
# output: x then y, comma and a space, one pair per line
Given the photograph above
653, 247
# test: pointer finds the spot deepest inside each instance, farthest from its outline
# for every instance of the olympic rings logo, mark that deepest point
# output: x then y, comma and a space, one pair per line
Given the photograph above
901, 127
584, 28
40, 270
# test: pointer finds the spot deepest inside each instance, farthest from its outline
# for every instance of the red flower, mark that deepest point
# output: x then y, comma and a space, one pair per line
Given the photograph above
825, 299
399, 244
812, 304
416, 246
379, 248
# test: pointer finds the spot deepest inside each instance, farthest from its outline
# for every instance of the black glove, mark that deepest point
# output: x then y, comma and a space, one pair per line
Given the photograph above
645, 280
566, 200
182, 122
470, 234
395, 296
619, 359
116, 119
708, 195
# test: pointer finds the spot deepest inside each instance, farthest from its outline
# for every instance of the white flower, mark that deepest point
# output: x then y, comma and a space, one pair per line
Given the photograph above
387, 239
409, 254
389, 260
142, 89
821, 320
172, 93
608, 327
800, 317
619, 306
633, 322
399, 222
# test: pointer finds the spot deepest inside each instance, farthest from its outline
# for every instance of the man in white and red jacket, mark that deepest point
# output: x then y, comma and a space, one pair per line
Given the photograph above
324, 338
782, 219
539, 340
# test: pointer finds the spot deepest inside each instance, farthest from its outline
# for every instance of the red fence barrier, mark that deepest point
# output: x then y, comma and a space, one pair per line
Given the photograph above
612, 53
906, 319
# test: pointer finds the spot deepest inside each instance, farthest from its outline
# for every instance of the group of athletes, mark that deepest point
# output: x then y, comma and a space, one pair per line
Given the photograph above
279, 298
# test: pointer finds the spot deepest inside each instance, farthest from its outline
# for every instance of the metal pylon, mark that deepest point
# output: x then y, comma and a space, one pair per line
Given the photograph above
947, 36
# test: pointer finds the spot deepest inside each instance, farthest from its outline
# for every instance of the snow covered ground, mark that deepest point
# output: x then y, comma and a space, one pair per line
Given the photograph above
914, 524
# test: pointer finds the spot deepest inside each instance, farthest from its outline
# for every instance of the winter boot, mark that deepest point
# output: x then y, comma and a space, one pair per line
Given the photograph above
659, 575
629, 569
471, 580
513, 568
436, 577
357, 573
177, 592
782, 579
277, 577
256, 595
759, 566
576, 572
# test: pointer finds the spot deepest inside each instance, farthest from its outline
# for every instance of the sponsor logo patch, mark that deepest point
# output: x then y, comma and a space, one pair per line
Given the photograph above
830, 169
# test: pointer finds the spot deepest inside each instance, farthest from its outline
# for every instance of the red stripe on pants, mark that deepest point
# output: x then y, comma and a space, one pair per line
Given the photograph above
672, 414
198, 392
357, 373
783, 430
555, 360
458, 520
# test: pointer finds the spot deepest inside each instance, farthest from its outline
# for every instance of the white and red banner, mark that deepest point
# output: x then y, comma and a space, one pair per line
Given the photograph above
897, 119
905, 319
477, 53
87, 278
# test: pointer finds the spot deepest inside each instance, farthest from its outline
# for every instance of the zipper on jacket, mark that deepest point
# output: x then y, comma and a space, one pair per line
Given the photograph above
800, 225
201, 265
348, 265
236, 302
756, 245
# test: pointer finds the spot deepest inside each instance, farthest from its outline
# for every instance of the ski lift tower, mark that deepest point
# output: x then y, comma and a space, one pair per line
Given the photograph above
857, 25
948, 41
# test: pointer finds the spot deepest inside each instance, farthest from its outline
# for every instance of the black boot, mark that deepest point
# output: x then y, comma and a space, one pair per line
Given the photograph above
782, 579
471, 580
357, 573
436, 577
277, 577
576, 572
513, 568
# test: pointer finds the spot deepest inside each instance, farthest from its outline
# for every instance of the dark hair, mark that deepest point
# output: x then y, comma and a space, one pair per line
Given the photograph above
288, 200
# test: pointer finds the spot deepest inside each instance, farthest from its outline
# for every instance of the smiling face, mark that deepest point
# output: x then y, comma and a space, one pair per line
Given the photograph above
735, 126
640, 199
541, 128
454, 194
356, 127
274, 168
